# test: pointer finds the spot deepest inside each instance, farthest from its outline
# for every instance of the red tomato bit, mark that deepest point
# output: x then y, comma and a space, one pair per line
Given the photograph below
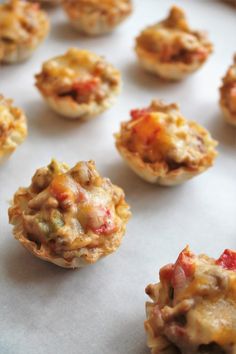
227, 260
139, 113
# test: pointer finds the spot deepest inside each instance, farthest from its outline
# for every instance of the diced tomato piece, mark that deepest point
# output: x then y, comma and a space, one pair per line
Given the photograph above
64, 187
186, 262
106, 226
139, 113
85, 87
227, 260
166, 272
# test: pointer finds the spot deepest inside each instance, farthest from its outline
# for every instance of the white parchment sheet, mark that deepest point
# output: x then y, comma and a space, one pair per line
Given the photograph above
100, 310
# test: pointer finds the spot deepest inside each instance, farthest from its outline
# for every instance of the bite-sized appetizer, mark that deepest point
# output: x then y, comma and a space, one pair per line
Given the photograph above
162, 147
193, 308
171, 49
13, 128
23, 26
70, 217
94, 17
228, 94
78, 84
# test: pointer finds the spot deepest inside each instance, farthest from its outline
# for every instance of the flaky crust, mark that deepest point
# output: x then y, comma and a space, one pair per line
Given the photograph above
227, 102
26, 28
157, 175
67, 105
157, 172
94, 17
13, 128
71, 257
155, 43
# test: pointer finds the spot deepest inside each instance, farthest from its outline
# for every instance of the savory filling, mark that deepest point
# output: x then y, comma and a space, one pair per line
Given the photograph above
20, 21
160, 134
194, 305
80, 75
12, 126
172, 40
67, 210
105, 8
228, 89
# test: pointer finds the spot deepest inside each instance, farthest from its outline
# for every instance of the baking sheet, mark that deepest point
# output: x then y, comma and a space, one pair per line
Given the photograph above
100, 309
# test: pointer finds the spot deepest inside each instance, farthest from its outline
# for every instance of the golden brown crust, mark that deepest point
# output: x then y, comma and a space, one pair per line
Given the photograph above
23, 27
69, 217
94, 17
13, 127
79, 84
169, 150
193, 308
228, 94
171, 49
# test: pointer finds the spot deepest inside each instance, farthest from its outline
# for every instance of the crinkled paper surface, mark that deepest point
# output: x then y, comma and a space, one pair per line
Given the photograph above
100, 309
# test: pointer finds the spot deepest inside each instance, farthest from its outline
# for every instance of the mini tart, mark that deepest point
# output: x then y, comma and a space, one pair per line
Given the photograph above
13, 128
193, 307
78, 84
228, 94
162, 147
171, 49
23, 27
94, 17
70, 217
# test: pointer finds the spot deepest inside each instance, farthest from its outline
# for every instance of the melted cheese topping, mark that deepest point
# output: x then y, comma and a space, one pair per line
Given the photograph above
161, 133
19, 21
104, 8
13, 128
173, 40
78, 73
70, 209
195, 310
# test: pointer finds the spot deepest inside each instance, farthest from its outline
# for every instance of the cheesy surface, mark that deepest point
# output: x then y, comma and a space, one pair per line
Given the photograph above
13, 128
159, 134
194, 306
172, 40
97, 17
70, 213
80, 75
23, 26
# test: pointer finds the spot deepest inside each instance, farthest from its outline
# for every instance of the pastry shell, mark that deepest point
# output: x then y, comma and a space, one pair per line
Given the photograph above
156, 172
17, 130
14, 45
94, 17
67, 106
168, 69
